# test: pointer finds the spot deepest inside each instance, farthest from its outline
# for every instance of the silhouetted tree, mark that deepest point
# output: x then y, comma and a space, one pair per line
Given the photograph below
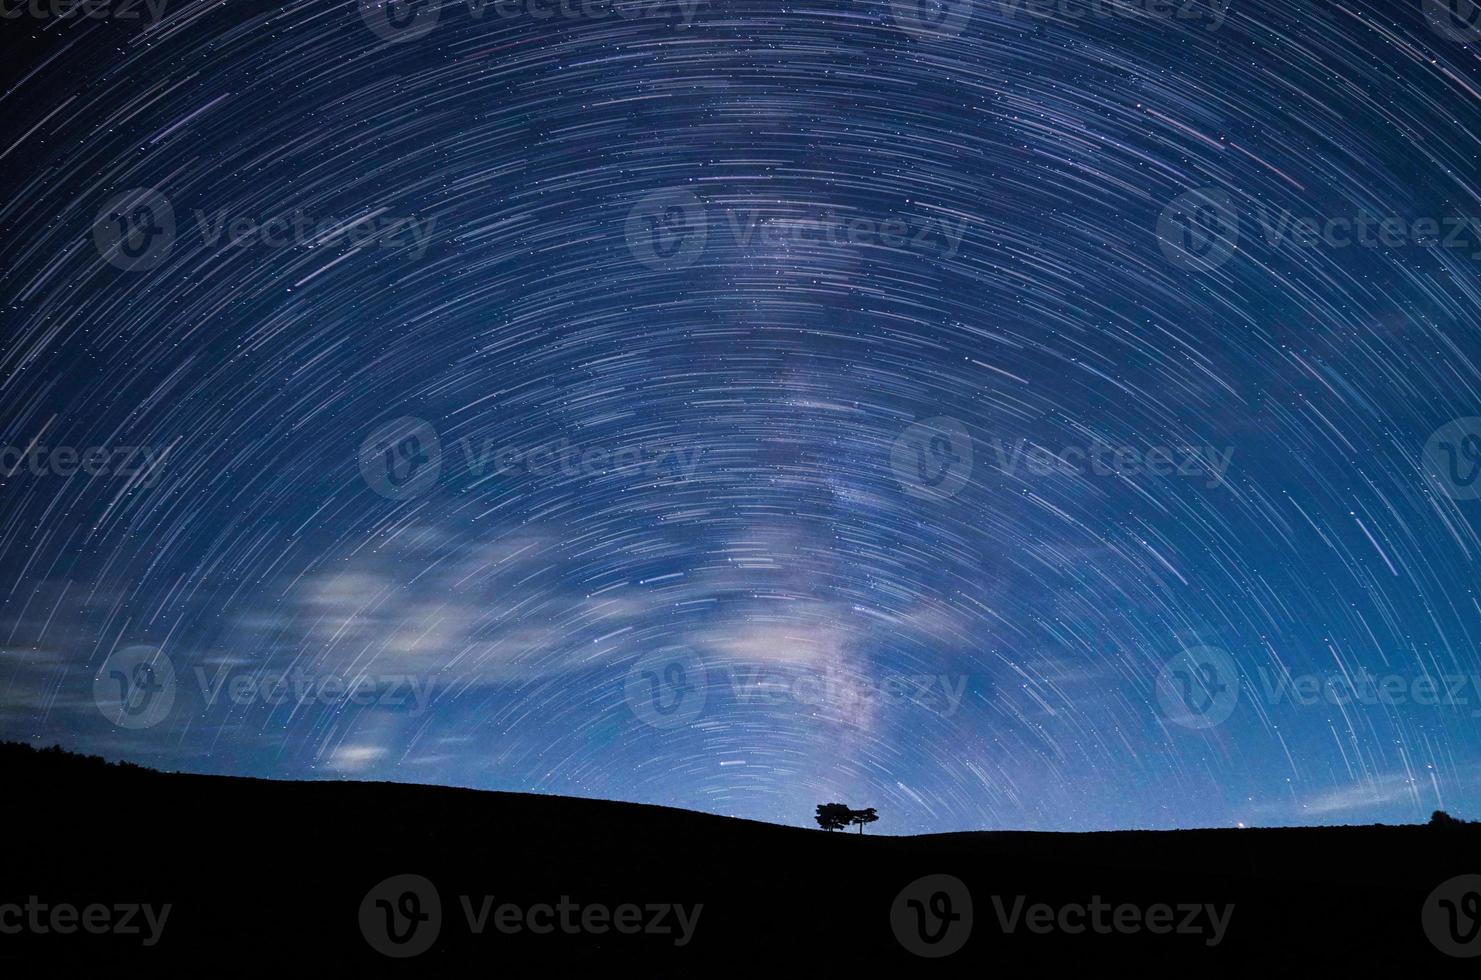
833, 816
1442, 819
861, 817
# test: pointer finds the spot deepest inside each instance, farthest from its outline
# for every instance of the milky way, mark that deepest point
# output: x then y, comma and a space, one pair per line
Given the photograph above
1001, 414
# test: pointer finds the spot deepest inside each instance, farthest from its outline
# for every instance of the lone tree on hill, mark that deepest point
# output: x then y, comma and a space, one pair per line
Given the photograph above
1442, 819
833, 816
861, 817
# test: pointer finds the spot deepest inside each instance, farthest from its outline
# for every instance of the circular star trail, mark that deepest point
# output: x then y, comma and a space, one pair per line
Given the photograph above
1004, 415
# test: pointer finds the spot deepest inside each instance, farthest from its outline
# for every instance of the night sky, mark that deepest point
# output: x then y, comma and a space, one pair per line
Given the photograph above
1053, 416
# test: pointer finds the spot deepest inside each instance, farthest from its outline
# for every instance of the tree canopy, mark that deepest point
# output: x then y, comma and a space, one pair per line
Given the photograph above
836, 816
833, 816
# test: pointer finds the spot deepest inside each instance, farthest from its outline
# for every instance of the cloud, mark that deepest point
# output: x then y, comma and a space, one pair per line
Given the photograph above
1383, 789
355, 758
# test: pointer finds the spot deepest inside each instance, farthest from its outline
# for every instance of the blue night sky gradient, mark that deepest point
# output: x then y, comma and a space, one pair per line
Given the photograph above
757, 529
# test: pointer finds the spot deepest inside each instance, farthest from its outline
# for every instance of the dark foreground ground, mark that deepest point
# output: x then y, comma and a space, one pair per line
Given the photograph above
286, 876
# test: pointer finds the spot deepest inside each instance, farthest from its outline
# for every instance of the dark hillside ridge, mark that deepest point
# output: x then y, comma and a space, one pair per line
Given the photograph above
263, 874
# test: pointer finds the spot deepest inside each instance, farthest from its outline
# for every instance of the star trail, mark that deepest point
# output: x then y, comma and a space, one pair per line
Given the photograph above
1005, 414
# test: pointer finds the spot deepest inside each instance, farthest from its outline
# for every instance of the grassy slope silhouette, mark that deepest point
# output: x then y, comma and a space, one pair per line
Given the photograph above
262, 873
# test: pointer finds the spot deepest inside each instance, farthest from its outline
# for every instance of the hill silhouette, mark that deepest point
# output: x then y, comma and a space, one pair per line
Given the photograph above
263, 874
